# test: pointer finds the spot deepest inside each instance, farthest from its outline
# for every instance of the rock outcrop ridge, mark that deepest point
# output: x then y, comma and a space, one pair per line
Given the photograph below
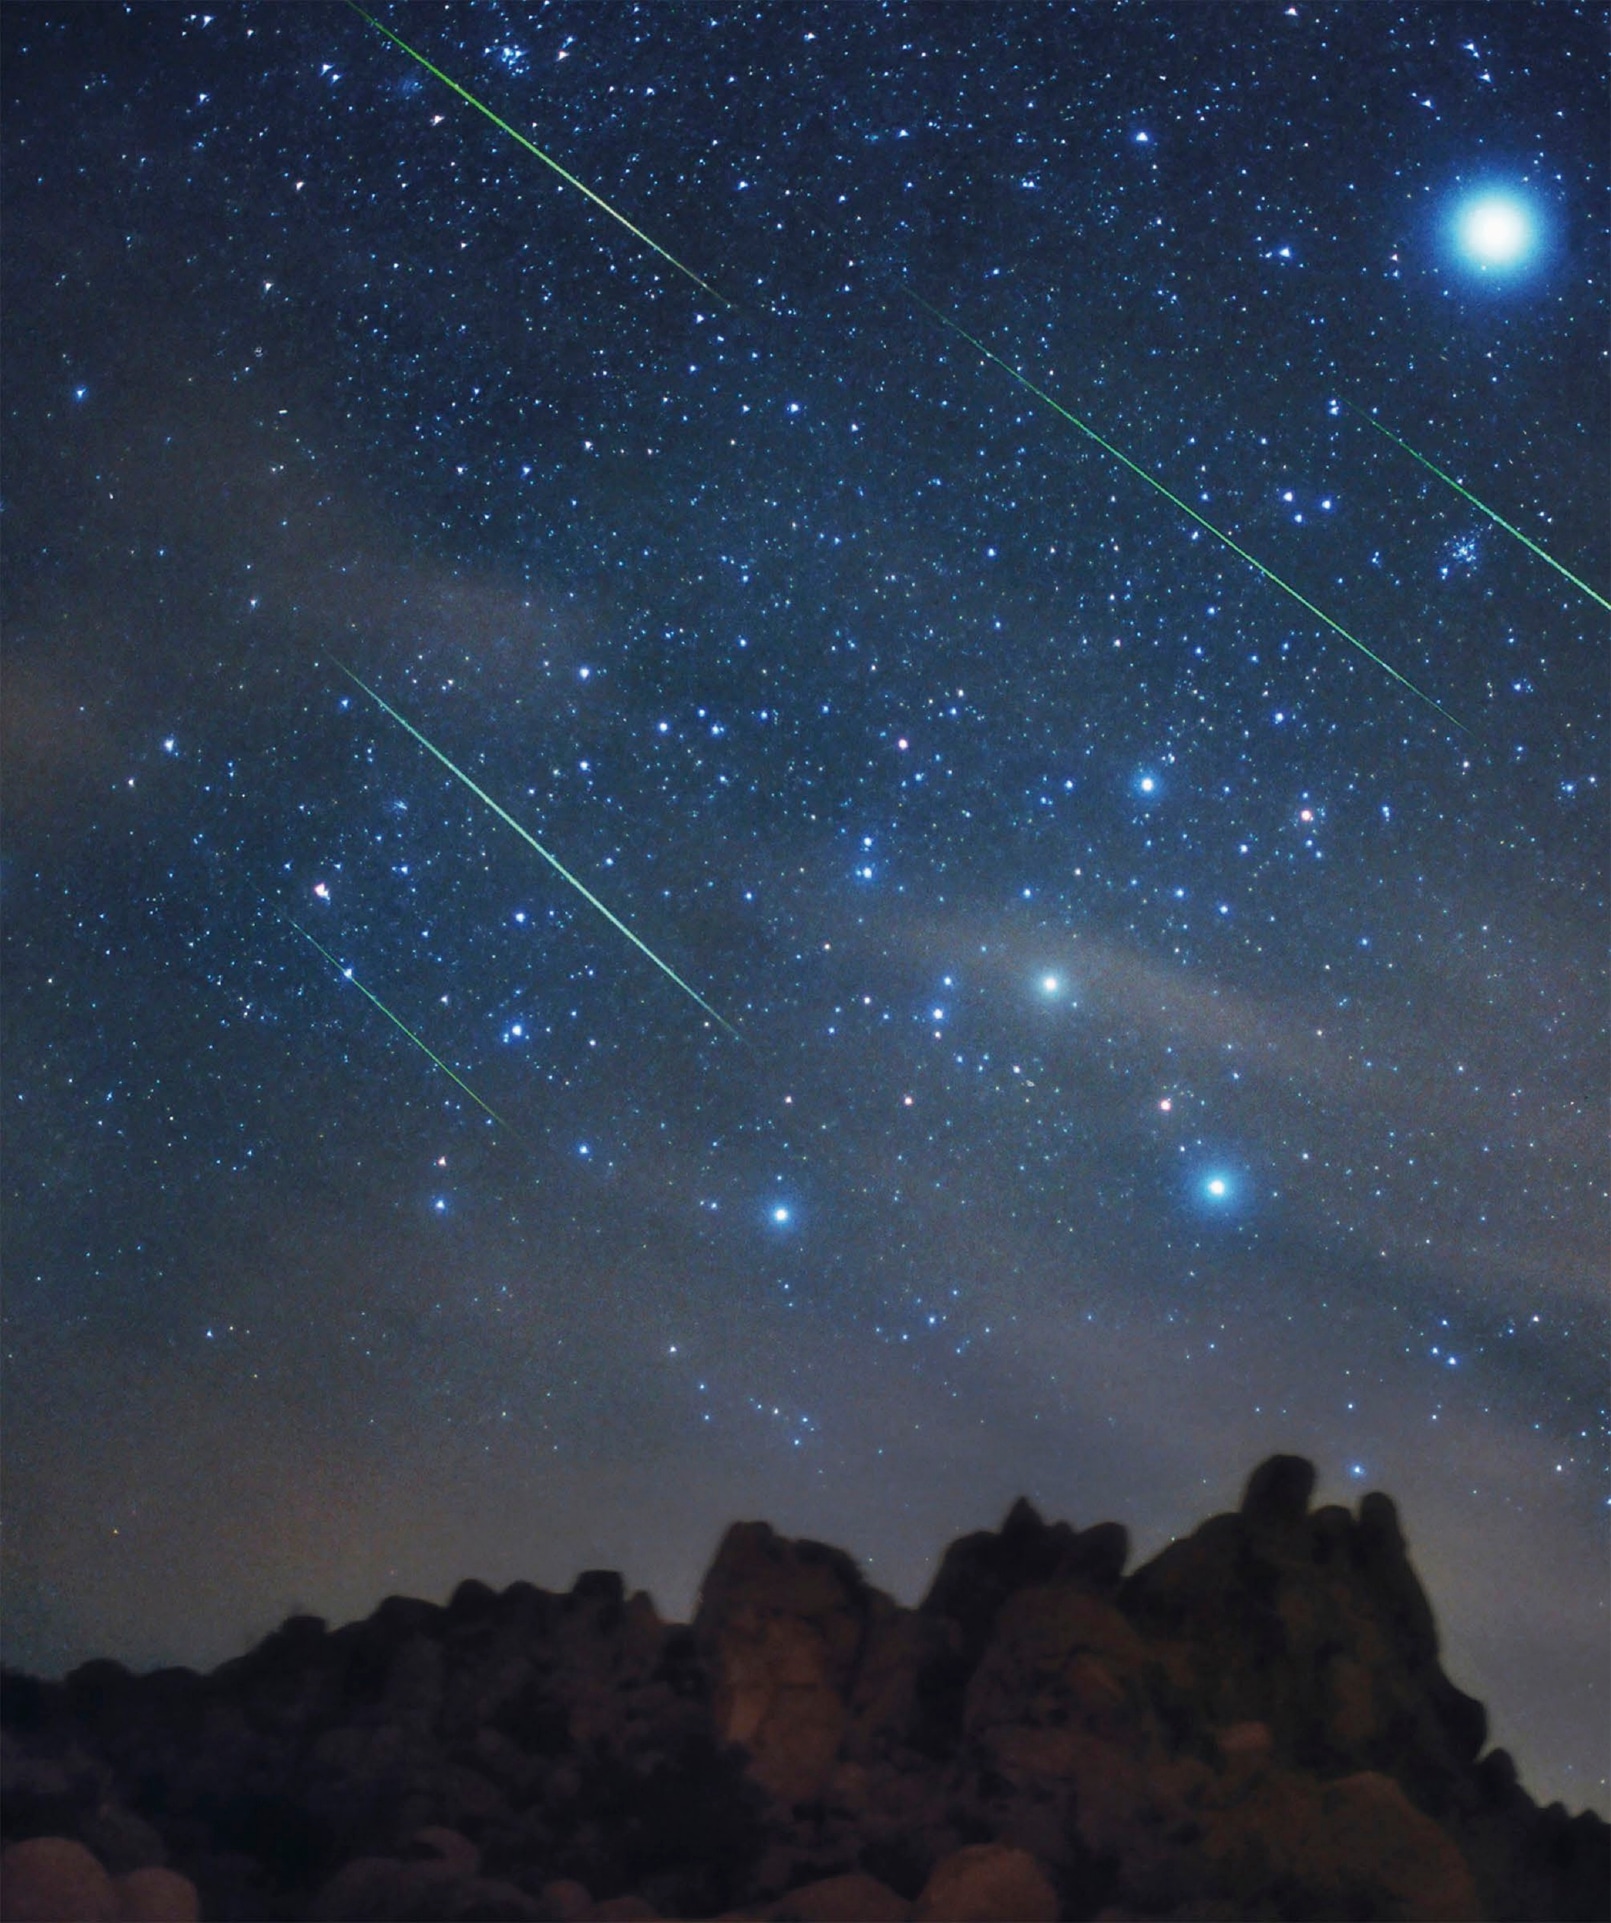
1254, 1724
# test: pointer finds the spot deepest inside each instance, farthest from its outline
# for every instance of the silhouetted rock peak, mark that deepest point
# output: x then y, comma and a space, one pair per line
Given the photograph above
978, 1573
1022, 1523
472, 1599
1252, 1724
1278, 1491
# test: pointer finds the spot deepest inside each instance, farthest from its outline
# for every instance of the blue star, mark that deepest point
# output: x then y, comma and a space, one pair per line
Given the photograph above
780, 1217
1497, 232
1220, 1189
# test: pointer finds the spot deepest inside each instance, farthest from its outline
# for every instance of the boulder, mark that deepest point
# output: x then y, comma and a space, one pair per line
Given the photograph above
1245, 1745
1277, 1493
52, 1879
381, 1889
854, 1898
471, 1602
1099, 1555
987, 1883
1060, 1657
1370, 1822
437, 1844
157, 1895
979, 1572
781, 1625
564, 1900
369, 1889
1352, 1848
907, 1693
1383, 1560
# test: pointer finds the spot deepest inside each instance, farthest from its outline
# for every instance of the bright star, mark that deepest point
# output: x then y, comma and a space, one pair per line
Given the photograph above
1495, 231
780, 1214
1050, 984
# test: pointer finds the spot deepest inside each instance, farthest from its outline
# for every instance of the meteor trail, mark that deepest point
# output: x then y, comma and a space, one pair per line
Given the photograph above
1466, 493
531, 147
532, 841
1218, 533
347, 975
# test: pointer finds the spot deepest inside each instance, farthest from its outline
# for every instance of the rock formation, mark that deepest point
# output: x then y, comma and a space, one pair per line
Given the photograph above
1252, 1725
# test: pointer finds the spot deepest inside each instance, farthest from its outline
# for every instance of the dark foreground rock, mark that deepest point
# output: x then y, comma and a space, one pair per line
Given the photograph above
1252, 1725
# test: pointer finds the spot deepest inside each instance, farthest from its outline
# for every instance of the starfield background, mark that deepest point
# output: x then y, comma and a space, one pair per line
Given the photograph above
1165, 1033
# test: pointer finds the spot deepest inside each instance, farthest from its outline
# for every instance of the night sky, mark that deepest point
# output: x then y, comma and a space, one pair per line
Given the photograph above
1163, 1036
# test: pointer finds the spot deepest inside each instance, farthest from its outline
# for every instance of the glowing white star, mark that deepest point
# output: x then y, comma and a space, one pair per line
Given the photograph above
1495, 230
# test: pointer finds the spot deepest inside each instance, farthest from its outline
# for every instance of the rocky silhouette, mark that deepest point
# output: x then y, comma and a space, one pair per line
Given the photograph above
1252, 1725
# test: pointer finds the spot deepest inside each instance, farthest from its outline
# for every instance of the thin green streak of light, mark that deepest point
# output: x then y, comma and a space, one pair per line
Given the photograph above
1466, 494
531, 146
347, 975
1218, 533
531, 840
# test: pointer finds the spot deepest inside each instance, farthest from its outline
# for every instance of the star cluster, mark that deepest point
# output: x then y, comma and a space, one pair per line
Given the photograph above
1162, 1035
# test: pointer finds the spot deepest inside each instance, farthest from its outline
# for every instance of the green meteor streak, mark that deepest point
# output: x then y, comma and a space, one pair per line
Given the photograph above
531, 840
1218, 533
347, 975
1466, 494
531, 146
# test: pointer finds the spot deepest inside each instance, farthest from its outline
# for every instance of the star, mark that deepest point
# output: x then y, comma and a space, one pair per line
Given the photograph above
1495, 230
